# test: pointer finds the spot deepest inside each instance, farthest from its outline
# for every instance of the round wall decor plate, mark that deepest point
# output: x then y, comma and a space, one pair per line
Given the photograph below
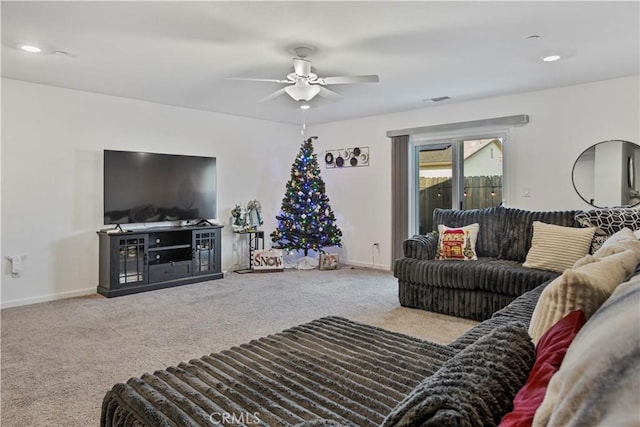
339, 162
328, 158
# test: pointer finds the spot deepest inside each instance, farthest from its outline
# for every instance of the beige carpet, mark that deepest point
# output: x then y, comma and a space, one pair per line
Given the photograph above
59, 358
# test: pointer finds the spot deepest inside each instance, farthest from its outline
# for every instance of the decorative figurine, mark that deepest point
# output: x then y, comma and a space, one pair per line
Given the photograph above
247, 219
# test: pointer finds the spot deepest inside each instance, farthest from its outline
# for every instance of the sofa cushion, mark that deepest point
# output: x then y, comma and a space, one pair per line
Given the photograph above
608, 221
597, 383
491, 222
550, 352
522, 307
515, 239
585, 288
457, 243
620, 241
476, 305
557, 248
486, 274
475, 387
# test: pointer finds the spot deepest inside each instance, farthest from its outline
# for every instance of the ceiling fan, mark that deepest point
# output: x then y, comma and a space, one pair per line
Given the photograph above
303, 85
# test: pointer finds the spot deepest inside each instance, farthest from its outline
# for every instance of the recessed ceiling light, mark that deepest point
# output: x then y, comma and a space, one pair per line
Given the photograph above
305, 106
30, 48
551, 58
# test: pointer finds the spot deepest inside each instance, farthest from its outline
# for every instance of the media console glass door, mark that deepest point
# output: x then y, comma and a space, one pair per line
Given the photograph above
131, 260
204, 247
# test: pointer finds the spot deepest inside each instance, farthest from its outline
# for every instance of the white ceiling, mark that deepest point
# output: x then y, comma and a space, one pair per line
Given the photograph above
180, 53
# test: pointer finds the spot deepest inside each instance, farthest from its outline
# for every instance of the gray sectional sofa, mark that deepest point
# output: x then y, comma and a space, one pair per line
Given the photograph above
335, 372
475, 289
331, 371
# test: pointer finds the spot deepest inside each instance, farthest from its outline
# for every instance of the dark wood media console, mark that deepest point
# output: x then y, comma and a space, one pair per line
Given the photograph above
156, 258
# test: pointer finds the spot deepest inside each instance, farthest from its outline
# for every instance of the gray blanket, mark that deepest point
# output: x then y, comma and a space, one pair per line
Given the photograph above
328, 369
474, 388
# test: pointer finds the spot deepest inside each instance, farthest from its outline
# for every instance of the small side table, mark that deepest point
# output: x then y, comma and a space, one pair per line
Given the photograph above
256, 241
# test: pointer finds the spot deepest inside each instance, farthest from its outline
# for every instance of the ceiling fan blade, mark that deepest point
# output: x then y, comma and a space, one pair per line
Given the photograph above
259, 80
343, 80
329, 94
273, 95
302, 67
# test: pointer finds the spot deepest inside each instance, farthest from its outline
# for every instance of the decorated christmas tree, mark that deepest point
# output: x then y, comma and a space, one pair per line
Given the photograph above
306, 221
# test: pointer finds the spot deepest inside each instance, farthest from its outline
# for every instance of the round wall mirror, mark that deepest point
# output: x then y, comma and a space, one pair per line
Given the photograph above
604, 175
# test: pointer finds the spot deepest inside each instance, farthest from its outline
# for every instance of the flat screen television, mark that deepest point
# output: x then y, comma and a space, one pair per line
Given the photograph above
151, 187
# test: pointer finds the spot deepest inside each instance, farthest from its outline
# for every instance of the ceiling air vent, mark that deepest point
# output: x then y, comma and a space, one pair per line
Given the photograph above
438, 99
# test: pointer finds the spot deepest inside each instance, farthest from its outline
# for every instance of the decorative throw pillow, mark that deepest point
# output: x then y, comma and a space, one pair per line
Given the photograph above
585, 288
550, 352
557, 248
587, 259
608, 221
621, 241
598, 241
597, 384
457, 243
473, 388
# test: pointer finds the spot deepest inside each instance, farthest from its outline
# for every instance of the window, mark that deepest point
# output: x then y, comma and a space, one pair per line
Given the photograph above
458, 173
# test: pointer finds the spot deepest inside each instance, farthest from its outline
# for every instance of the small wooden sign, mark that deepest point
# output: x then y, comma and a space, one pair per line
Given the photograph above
267, 261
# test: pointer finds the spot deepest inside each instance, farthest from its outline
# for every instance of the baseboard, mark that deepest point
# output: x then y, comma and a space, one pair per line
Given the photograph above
384, 267
90, 291
46, 298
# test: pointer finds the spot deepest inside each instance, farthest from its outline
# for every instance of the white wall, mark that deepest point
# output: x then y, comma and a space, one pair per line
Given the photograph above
563, 123
52, 142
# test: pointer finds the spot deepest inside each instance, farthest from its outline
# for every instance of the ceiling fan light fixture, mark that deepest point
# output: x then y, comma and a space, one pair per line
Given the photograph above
30, 48
302, 93
551, 58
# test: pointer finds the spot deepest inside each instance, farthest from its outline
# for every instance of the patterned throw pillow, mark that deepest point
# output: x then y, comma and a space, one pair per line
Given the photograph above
608, 222
457, 243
